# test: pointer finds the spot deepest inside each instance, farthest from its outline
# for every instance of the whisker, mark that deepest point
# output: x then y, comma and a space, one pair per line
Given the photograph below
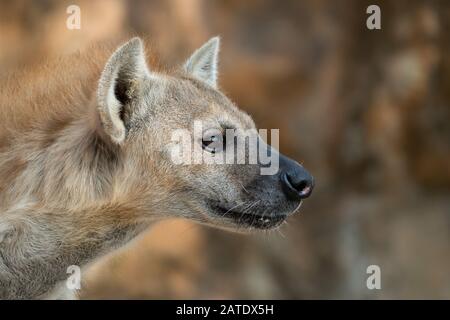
280, 233
244, 188
248, 208
228, 211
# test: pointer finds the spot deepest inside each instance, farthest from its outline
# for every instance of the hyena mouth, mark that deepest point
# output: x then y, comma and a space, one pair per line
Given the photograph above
251, 220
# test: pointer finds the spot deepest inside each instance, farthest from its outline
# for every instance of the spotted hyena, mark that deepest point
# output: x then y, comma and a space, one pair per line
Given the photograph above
86, 162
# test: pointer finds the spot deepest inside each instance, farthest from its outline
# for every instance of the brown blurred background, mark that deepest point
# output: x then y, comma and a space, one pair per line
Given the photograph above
367, 112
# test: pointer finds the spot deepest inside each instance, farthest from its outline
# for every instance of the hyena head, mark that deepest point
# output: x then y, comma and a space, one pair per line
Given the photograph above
159, 119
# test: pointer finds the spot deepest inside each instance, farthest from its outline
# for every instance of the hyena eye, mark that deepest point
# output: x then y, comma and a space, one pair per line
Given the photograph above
213, 141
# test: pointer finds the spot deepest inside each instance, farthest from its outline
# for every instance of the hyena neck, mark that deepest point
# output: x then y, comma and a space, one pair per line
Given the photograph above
64, 212
39, 249
51, 150
63, 198
61, 163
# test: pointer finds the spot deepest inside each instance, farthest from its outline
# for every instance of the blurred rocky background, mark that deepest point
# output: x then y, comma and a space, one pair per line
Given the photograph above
368, 112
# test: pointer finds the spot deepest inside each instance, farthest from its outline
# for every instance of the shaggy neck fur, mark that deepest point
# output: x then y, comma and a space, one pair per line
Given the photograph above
58, 188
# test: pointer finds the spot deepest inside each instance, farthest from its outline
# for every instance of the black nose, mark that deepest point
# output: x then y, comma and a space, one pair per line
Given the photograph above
296, 181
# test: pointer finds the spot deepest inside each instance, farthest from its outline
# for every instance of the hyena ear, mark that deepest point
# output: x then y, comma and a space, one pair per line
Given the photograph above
118, 85
203, 62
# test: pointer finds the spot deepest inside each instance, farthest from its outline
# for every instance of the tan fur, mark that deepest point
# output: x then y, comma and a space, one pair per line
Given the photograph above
48, 166
83, 172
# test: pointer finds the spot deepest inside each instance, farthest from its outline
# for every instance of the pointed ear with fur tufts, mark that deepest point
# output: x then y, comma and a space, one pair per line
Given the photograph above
118, 85
203, 62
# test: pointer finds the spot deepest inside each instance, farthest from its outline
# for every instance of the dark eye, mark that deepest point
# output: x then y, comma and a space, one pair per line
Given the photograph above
213, 141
